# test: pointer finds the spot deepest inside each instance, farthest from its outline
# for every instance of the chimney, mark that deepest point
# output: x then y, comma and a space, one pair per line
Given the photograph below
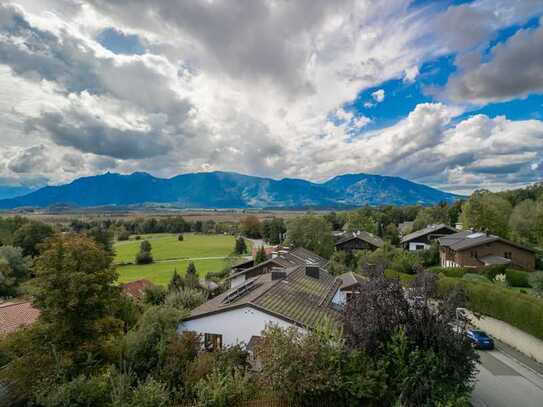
312, 270
278, 273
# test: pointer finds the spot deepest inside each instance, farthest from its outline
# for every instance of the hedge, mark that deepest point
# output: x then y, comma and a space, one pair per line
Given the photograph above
520, 310
404, 278
476, 278
517, 278
456, 272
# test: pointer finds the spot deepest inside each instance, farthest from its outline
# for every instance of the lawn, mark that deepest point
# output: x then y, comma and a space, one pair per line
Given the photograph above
170, 254
161, 273
166, 247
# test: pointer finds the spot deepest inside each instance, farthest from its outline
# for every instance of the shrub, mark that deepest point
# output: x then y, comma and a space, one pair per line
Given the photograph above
150, 394
520, 310
224, 389
154, 295
492, 271
123, 235
137, 237
517, 278
405, 262
186, 298
404, 278
81, 391
180, 238
454, 272
476, 278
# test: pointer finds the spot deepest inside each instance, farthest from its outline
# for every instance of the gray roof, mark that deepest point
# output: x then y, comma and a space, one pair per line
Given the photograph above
364, 236
428, 230
349, 279
297, 298
287, 259
466, 239
494, 260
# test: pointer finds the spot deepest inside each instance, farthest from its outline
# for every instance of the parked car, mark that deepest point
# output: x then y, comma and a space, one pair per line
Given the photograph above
480, 339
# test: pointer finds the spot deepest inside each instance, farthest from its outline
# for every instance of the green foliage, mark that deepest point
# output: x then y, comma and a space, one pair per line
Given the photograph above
145, 345
154, 295
338, 263
186, 298
180, 238
455, 272
405, 279
537, 283
240, 247
430, 216
405, 262
487, 212
144, 256
30, 236
74, 289
301, 366
523, 222
520, 310
14, 270
79, 392
177, 282
103, 236
429, 257
392, 234
517, 278
476, 278
150, 393
312, 232
224, 389
362, 219
273, 230
260, 256
250, 226
492, 271
123, 235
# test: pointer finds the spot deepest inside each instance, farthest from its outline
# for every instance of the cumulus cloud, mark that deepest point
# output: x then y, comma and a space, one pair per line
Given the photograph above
514, 70
259, 87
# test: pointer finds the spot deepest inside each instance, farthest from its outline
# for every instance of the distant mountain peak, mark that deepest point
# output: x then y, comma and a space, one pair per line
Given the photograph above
220, 189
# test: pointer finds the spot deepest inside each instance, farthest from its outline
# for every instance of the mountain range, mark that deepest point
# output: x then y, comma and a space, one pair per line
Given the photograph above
230, 190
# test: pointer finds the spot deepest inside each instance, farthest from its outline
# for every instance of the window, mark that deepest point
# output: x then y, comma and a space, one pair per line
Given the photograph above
419, 247
508, 255
212, 342
473, 253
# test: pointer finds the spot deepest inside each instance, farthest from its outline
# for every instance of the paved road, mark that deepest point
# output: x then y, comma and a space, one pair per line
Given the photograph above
508, 379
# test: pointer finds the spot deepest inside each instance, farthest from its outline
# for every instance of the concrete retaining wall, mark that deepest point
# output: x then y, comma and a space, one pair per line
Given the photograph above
520, 340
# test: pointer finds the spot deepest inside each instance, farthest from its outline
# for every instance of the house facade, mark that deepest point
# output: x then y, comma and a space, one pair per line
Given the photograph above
477, 249
300, 296
422, 239
360, 240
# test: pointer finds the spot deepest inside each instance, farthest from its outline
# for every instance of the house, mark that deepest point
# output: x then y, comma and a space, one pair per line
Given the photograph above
350, 286
422, 239
477, 249
136, 289
282, 259
360, 240
14, 315
268, 250
299, 296
405, 228
242, 265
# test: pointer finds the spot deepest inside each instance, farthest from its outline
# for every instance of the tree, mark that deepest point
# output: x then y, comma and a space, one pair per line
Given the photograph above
260, 256
523, 222
30, 236
144, 256
103, 236
273, 230
485, 211
250, 226
312, 232
240, 246
191, 276
302, 366
391, 234
424, 360
176, 282
338, 263
14, 270
186, 298
431, 216
362, 219
74, 289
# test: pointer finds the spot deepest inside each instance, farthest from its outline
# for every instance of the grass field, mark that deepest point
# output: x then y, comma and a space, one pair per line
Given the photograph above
161, 273
170, 254
166, 247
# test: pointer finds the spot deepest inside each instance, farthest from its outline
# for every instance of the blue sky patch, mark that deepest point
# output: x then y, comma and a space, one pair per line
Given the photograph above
120, 43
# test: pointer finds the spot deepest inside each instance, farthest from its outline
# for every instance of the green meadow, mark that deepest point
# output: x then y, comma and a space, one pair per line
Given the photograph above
208, 252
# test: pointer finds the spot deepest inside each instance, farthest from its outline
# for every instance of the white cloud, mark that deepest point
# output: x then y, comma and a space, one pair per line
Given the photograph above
253, 87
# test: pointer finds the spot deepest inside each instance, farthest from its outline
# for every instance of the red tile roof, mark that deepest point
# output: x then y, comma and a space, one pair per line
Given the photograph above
14, 315
136, 289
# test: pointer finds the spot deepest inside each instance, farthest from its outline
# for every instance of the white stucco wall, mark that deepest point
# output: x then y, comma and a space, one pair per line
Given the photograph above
237, 281
340, 298
235, 326
413, 246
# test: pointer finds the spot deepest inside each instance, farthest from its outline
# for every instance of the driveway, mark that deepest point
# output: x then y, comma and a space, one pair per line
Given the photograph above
508, 379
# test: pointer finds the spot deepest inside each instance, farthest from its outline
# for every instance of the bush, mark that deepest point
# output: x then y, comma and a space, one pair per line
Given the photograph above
180, 238
81, 391
476, 278
154, 295
137, 237
186, 298
150, 394
405, 262
144, 258
404, 278
123, 235
517, 278
492, 271
520, 310
224, 389
454, 272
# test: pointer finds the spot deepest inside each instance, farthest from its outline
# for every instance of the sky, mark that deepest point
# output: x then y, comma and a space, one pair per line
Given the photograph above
446, 93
